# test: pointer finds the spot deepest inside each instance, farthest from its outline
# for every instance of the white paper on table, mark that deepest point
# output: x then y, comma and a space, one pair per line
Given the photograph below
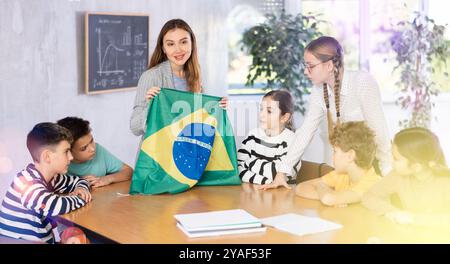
300, 225
218, 220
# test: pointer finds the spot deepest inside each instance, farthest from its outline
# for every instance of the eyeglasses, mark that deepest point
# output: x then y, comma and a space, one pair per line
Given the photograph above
309, 67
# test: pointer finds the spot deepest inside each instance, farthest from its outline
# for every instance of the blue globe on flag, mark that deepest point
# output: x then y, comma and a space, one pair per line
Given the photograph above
192, 149
180, 151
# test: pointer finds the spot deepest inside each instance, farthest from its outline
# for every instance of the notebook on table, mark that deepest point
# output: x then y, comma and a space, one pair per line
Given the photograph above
236, 221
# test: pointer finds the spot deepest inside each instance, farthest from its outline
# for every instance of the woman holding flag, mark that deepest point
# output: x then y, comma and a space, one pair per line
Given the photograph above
174, 64
171, 157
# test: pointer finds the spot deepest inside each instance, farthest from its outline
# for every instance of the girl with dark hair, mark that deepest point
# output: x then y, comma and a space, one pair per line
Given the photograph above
420, 180
260, 153
339, 96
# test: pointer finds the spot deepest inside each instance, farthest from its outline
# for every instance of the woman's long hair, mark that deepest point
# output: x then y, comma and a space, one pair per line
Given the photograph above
191, 67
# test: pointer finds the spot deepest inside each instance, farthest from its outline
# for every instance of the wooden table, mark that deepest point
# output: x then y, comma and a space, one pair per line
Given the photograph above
149, 219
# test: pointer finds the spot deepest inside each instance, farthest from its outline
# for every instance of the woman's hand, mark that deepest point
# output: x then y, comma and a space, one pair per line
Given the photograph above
280, 180
151, 93
224, 102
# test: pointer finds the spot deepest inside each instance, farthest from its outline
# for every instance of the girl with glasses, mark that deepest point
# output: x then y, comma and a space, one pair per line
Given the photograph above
338, 96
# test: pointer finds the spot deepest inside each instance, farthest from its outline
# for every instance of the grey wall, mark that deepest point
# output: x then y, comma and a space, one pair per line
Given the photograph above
42, 69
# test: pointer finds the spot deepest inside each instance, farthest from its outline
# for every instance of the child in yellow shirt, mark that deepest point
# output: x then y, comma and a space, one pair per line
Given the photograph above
353, 154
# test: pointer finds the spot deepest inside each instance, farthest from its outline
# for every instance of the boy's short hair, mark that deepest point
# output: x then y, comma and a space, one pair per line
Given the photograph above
46, 135
359, 137
77, 126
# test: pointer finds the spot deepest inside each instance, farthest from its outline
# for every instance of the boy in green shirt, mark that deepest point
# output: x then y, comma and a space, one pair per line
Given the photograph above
91, 160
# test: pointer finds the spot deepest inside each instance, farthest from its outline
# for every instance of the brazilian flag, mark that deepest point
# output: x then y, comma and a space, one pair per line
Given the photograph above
189, 141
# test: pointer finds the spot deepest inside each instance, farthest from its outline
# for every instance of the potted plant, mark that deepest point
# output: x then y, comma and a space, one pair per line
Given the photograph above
277, 47
417, 45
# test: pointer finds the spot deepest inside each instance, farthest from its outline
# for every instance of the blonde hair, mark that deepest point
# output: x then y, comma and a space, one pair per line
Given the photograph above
191, 67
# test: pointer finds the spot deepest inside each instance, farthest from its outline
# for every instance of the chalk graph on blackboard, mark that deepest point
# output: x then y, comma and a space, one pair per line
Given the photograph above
108, 62
118, 54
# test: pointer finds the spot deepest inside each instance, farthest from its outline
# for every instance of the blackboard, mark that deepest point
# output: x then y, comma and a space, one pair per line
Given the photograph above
116, 51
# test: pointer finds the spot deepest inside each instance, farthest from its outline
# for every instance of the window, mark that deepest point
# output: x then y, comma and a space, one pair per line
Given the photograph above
384, 14
245, 15
440, 15
342, 23
361, 26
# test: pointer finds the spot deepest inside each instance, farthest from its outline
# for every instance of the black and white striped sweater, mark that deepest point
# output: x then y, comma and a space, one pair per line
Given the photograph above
259, 156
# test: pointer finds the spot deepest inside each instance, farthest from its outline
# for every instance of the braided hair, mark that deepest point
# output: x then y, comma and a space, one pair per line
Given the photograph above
328, 49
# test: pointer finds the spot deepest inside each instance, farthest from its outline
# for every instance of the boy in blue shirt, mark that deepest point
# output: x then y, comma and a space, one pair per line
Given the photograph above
42, 190
91, 160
